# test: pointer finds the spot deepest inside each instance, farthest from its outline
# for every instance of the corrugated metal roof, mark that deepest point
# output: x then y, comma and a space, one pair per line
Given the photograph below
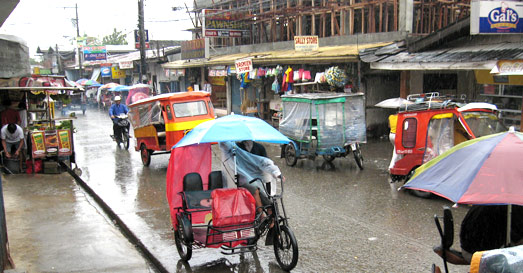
465, 54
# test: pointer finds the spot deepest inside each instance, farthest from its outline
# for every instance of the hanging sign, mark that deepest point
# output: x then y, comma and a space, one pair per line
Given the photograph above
126, 65
306, 43
496, 17
243, 65
508, 67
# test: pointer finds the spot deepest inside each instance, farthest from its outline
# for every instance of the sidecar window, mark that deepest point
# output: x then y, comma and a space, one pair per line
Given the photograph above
190, 109
410, 127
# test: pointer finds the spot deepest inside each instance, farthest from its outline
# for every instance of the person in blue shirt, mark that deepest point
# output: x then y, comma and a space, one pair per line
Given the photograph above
116, 110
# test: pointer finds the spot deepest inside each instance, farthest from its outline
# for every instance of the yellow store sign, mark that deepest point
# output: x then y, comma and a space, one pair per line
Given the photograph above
117, 73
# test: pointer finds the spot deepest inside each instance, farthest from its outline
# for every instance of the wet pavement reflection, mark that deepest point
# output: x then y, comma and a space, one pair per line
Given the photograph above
345, 219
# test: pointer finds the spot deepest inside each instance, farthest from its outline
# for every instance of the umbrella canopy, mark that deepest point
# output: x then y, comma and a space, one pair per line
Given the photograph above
232, 128
109, 85
484, 171
393, 103
119, 88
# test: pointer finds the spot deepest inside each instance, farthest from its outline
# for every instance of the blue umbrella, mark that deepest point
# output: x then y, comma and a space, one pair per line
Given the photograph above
120, 88
233, 128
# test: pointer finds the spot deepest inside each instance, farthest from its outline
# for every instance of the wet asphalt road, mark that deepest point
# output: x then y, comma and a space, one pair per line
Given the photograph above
345, 219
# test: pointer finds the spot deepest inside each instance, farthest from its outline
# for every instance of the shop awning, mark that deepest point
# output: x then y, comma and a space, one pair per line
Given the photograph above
327, 54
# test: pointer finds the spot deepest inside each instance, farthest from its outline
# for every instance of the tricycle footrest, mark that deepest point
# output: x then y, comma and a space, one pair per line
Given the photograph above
337, 150
226, 250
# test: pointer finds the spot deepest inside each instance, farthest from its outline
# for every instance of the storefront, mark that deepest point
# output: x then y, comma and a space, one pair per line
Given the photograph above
273, 73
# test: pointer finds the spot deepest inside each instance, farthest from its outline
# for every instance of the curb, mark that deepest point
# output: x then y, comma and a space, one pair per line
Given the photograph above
117, 221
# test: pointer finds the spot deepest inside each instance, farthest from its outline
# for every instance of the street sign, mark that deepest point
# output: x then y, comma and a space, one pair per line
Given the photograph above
137, 45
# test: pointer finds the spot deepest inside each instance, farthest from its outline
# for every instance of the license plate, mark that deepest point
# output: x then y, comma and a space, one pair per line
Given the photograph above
353, 146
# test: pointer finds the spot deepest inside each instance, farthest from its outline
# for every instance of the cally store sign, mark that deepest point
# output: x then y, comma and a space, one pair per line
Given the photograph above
496, 17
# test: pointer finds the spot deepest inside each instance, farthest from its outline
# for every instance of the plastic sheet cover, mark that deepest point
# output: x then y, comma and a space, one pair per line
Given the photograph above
322, 117
248, 166
295, 121
440, 136
146, 114
498, 260
232, 207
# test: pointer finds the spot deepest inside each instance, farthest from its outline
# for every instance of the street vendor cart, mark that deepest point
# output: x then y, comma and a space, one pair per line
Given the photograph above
327, 124
49, 139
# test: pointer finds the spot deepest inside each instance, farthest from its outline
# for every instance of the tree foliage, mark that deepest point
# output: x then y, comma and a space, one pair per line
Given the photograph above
116, 38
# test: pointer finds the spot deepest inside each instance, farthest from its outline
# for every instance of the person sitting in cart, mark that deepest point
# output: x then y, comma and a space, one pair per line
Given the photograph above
116, 110
251, 164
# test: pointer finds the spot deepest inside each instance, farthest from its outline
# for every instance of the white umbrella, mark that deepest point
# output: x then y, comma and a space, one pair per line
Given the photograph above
393, 103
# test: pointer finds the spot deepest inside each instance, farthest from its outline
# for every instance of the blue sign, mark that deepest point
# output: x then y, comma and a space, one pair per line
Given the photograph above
95, 56
500, 17
106, 71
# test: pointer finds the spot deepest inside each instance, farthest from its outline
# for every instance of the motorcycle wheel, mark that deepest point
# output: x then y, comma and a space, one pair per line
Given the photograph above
125, 139
358, 157
286, 248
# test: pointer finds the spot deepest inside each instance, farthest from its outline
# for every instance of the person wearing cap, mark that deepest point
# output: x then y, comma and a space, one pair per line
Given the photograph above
116, 110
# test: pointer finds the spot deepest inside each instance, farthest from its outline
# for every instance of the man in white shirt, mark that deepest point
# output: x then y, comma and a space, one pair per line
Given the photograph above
12, 137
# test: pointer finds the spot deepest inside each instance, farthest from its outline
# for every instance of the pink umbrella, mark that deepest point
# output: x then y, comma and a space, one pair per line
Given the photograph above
109, 85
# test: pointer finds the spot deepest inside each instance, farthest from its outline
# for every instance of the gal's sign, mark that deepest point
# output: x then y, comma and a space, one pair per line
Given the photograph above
496, 17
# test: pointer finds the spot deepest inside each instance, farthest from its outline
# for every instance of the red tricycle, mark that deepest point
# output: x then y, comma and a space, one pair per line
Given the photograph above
211, 209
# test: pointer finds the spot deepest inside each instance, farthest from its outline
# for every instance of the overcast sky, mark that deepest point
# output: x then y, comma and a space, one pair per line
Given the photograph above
44, 23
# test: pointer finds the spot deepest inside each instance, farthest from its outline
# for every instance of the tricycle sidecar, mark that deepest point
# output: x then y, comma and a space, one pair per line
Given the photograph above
326, 124
208, 212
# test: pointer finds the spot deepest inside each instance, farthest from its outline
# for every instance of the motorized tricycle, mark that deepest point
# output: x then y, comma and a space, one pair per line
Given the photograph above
432, 124
159, 122
208, 211
328, 124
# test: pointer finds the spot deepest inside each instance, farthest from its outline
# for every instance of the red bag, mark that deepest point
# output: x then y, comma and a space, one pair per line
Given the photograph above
232, 207
37, 167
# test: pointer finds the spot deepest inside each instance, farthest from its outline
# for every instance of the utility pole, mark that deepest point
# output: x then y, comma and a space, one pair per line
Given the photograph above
58, 60
141, 34
78, 35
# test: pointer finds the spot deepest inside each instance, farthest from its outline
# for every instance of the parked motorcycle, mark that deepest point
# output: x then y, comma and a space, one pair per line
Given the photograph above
123, 123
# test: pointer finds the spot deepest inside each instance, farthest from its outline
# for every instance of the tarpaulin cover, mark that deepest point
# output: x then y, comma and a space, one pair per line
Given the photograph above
146, 114
232, 207
184, 160
324, 116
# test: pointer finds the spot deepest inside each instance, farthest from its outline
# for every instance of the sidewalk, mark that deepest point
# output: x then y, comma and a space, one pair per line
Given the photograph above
53, 226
